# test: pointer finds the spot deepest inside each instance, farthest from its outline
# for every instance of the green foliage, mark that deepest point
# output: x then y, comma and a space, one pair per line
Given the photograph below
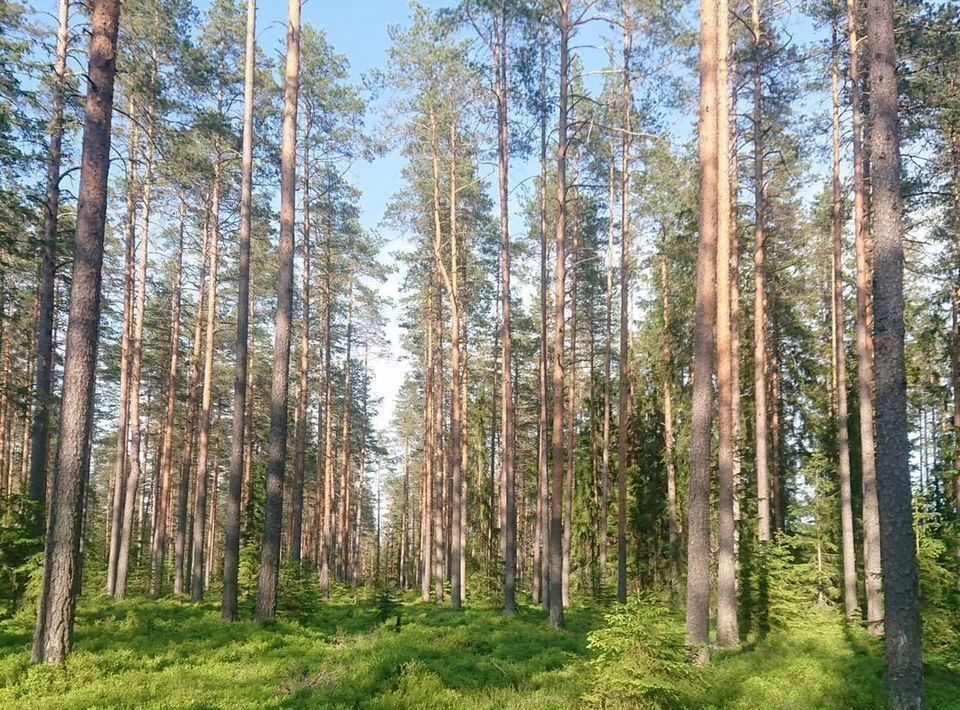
388, 604
298, 592
21, 558
791, 582
642, 659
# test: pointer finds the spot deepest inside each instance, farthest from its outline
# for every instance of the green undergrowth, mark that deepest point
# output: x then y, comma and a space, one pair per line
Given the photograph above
169, 654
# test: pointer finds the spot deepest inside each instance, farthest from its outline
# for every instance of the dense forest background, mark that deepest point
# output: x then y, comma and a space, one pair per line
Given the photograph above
661, 322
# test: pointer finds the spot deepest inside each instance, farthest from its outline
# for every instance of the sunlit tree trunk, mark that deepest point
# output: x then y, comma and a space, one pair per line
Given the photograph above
848, 550
126, 339
54, 630
136, 369
40, 436
902, 626
159, 548
557, 464
273, 508
197, 562
868, 461
727, 628
231, 544
698, 536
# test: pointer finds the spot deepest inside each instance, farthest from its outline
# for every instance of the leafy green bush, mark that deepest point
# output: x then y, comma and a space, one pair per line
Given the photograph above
387, 604
642, 661
298, 592
21, 554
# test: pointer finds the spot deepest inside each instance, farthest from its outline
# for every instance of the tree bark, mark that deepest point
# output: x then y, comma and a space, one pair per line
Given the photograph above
698, 536
902, 625
181, 557
197, 562
673, 515
840, 362
508, 440
273, 508
557, 464
162, 506
126, 348
54, 630
727, 627
231, 545
303, 389
760, 384
623, 404
541, 545
871, 516
40, 435
136, 369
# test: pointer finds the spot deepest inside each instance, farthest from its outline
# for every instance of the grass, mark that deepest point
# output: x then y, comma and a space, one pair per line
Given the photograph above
169, 654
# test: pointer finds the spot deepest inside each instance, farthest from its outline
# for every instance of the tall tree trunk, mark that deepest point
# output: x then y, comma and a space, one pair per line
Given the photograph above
426, 487
508, 440
673, 515
273, 508
541, 545
343, 551
868, 460
197, 561
303, 391
40, 436
181, 557
569, 484
727, 628
840, 361
126, 344
760, 350
326, 532
456, 382
136, 369
902, 625
557, 464
623, 404
159, 548
698, 537
607, 355
54, 630
231, 545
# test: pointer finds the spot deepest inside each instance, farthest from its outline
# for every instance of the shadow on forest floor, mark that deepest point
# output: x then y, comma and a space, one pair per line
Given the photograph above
170, 654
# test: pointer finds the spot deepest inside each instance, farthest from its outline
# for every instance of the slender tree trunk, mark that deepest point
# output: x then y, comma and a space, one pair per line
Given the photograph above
159, 549
760, 384
197, 561
273, 508
556, 473
868, 461
727, 627
40, 436
698, 537
569, 484
54, 630
735, 398
181, 558
120, 460
426, 488
541, 545
666, 350
607, 382
303, 391
901, 592
840, 362
456, 382
326, 544
508, 440
136, 369
623, 404
231, 545
345, 484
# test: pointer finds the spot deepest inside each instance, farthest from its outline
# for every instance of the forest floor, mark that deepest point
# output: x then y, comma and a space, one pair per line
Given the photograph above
166, 654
